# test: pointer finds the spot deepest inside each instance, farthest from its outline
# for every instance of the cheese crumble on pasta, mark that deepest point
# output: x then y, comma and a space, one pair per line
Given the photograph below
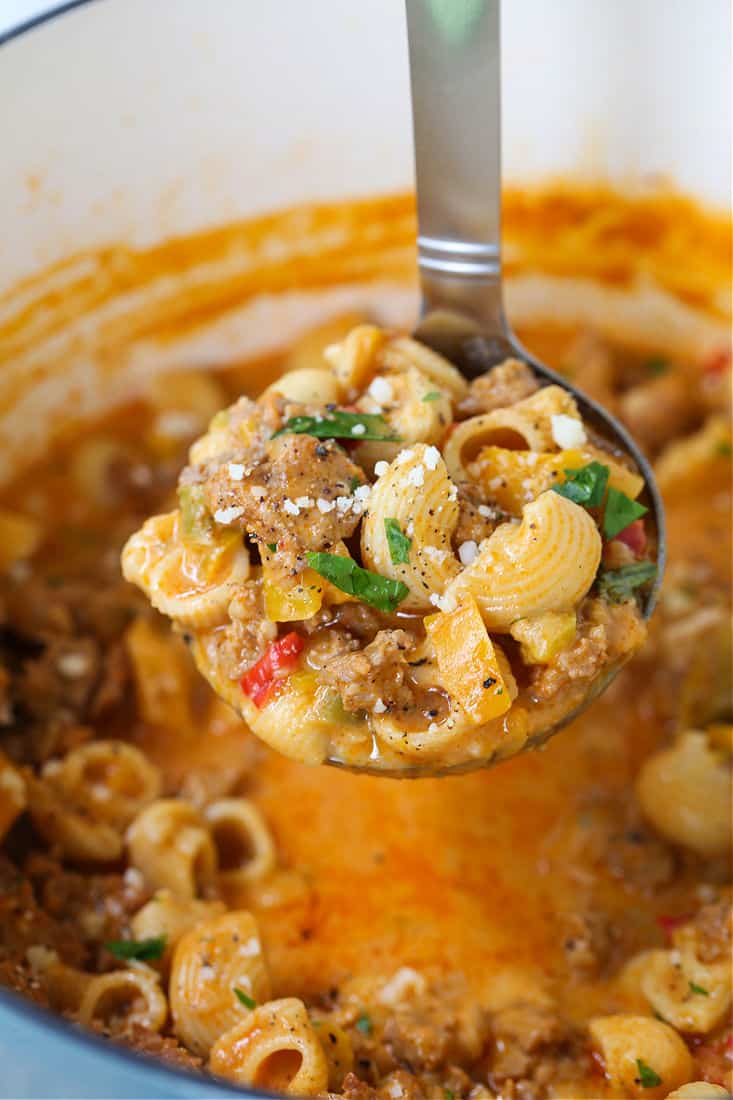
380, 564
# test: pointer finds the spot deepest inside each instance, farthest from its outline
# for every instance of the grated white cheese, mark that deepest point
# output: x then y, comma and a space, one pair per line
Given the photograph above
453, 493
73, 665
431, 458
344, 504
416, 476
380, 707
259, 492
304, 502
381, 391
485, 511
235, 471
358, 429
567, 431
290, 508
325, 506
226, 515
433, 727
403, 457
380, 468
435, 552
362, 493
468, 551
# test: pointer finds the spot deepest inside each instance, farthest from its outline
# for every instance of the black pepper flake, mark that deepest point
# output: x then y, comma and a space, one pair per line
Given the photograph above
489, 681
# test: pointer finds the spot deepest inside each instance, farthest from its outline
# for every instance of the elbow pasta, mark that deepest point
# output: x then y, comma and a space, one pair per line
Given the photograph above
110, 780
275, 1048
170, 916
625, 1041
685, 792
170, 844
432, 503
244, 844
429, 512
211, 962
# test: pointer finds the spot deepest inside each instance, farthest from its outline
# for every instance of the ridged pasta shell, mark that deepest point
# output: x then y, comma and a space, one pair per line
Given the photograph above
546, 563
210, 962
417, 493
308, 386
525, 426
402, 352
190, 582
274, 1048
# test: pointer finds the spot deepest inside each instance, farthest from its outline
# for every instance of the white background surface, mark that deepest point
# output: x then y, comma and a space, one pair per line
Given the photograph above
143, 119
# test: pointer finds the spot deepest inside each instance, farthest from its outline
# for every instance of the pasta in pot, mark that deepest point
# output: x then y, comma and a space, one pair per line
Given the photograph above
434, 501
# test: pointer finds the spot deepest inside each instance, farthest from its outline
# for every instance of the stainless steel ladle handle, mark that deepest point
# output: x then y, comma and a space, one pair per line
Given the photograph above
455, 77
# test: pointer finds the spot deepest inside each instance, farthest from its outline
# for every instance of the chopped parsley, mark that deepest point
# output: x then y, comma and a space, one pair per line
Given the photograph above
398, 542
585, 485
657, 366
364, 1023
355, 483
618, 585
340, 425
143, 950
380, 592
694, 988
272, 547
648, 1078
723, 449
620, 512
434, 395
448, 1094
244, 998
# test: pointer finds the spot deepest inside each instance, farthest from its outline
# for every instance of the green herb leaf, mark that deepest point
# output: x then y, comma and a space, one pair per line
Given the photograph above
433, 395
380, 592
723, 449
143, 950
364, 1023
341, 425
354, 484
618, 585
694, 988
620, 512
244, 998
586, 485
657, 366
376, 591
398, 543
272, 547
648, 1078
448, 1094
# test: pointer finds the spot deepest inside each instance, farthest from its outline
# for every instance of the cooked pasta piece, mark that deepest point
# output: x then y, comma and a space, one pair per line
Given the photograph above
642, 1056
685, 791
414, 497
547, 563
170, 844
243, 841
117, 1000
124, 997
414, 410
161, 671
698, 1090
13, 795
338, 1049
307, 386
275, 1048
111, 780
354, 359
218, 975
526, 426
191, 581
70, 828
169, 916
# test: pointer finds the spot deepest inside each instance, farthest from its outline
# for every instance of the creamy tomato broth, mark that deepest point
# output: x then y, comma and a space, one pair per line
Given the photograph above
475, 937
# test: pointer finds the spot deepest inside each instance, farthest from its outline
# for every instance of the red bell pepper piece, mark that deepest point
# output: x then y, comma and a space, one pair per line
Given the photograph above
717, 361
668, 923
266, 678
634, 536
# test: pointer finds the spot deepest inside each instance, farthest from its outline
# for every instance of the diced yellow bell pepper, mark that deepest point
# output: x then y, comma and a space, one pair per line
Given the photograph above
514, 478
287, 605
468, 662
541, 638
